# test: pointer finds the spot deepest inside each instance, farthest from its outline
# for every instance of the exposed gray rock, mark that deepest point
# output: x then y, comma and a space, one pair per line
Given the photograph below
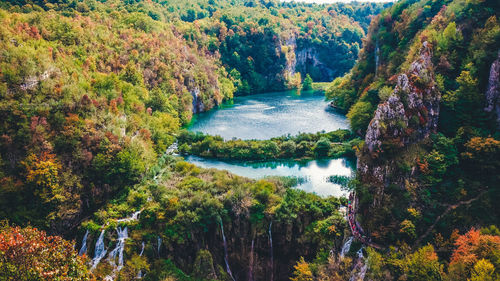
415, 95
493, 90
408, 116
311, 56
32, 81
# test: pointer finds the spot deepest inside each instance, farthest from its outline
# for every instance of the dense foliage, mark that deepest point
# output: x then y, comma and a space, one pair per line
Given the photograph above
419, 183
93, 91
474, 256
264, 45
340, 143
30, 254
187, 207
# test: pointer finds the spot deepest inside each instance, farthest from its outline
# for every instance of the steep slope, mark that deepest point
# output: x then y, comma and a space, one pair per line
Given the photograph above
87, 102
406, 165
424, 96
93, 91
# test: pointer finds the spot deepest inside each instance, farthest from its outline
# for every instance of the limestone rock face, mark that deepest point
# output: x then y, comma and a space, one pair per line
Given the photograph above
415, 96
493, 90
408, 116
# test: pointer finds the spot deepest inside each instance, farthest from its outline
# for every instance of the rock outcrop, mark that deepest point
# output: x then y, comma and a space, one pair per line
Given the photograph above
493, 90
409, 116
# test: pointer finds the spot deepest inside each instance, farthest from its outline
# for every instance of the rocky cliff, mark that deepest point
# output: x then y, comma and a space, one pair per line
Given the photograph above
407, 118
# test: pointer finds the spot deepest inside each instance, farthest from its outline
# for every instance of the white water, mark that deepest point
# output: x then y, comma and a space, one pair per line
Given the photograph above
159, 245
142, 249
118, 250
99, 252
271, 250
139, 275
83, 249
346, 247
172, 149
225, 252
250, 267
133, 217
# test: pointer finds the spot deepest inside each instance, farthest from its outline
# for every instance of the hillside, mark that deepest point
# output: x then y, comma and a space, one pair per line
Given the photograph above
424, 95
94, 94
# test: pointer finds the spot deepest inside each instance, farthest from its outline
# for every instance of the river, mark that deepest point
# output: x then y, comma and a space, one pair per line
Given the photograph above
264, 116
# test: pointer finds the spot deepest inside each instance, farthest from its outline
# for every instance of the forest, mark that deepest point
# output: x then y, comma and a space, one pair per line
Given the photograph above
93, 94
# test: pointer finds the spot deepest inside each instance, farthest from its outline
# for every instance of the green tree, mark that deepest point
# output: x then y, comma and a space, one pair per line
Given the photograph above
307, 84
322, 147
423, 265
359, 116
483, 271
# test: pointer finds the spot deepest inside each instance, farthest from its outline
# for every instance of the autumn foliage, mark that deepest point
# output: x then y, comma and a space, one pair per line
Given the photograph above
30, 254
474, 251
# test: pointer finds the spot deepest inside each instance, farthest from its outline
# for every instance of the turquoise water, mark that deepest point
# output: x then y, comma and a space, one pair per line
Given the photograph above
268, 115
313, 174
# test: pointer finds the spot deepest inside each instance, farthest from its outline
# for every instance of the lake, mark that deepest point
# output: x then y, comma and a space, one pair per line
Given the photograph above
268, 115
313, 174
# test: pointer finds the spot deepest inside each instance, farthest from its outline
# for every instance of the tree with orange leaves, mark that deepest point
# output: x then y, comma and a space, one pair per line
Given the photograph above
474, 253
29, 254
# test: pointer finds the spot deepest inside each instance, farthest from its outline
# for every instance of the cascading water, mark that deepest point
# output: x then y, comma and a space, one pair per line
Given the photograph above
133, 217
83, 249
159, 245
118, 250
250, 266
271, 250
172, 149
99, 252
226, 257
346, 247
142, 249
139, 275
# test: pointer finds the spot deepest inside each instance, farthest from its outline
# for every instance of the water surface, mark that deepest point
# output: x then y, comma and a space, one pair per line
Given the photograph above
268, 115
313, 174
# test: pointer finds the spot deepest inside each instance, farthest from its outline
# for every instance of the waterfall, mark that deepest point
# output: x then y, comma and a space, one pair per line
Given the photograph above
225, 252
99, 252
159, 245
250, 267
346, 247
139, 275
271, 250
142, 249
83, 249
172, 149
133, 217
118, 250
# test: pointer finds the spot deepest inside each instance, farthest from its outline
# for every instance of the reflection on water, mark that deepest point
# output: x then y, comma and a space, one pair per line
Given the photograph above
313, 174
268, 115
